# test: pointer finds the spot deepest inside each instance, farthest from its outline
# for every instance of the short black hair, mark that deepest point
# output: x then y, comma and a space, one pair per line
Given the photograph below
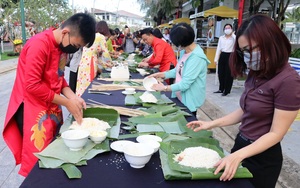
147, 31
182, 34
157, 33
112, 32
82, 24
227, 25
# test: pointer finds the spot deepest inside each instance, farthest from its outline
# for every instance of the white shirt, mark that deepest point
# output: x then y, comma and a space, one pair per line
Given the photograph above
225, 45
75, 60
167, 37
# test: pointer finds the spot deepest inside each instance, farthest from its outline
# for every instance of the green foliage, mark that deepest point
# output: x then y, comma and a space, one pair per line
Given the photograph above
295, 53
44, 13
293, 16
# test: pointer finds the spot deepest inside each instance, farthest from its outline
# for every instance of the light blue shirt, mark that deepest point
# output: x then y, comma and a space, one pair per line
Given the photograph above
193, 82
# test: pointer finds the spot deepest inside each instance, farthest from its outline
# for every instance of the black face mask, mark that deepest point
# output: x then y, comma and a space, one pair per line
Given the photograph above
69, 48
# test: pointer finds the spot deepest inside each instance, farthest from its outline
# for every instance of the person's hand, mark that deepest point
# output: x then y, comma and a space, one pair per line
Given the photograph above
75, 106
158, 87
157, 75
199, 125
145, 60
143, 64
230, 164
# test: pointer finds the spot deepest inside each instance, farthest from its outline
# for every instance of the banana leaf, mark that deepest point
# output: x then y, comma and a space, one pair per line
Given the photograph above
111, 116
173, 170
57, 155
149, 128
161, 99
138, 58
71, 171
163, 108
105, 75
172, 127
57, 149
129, 83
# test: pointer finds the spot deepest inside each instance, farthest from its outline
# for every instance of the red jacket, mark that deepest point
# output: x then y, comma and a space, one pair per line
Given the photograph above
40, 74
163, 55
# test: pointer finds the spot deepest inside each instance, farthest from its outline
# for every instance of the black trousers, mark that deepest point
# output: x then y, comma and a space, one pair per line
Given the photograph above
265, 166
73, 80
19, 116
225, 78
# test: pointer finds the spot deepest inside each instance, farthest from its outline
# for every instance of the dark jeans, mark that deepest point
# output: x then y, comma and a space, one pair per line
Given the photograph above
265, 166
224, 73
171, 81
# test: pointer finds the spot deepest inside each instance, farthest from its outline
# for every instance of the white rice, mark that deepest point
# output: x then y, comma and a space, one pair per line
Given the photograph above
91, 125
197, 157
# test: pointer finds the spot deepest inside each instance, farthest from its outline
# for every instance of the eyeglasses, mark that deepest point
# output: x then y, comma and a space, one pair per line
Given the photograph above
242, 52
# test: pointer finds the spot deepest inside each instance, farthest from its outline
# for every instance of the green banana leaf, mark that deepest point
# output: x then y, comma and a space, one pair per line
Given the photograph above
173, 170
111, 116
163, 108
57, 149
172, 127
149, 128
161, 99
57, 155
105, 75
138, 58
71, 171
129, 83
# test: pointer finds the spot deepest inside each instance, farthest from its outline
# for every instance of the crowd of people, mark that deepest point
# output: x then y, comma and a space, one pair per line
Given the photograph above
268, 106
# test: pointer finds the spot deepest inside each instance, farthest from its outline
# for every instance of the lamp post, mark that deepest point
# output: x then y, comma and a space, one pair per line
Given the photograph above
23, 21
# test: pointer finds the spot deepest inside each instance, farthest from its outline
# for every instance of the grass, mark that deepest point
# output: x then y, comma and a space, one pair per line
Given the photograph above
8, 55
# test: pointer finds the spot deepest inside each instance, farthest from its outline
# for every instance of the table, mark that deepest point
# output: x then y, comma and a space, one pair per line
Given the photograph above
110, 170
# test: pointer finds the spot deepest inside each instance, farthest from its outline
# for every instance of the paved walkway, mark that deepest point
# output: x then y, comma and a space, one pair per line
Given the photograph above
214, 107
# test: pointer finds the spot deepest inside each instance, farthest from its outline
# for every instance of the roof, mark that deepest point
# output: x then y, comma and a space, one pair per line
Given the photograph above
221, 11
99, 11
127, 14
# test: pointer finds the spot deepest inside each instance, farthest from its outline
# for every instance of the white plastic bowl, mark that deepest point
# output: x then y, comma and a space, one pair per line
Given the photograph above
154, 144
148, 82
75, 139
138, 154
98, 136
144, 138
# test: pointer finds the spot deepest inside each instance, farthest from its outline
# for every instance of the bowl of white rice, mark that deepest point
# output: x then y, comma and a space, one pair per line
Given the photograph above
138, 154
75, 139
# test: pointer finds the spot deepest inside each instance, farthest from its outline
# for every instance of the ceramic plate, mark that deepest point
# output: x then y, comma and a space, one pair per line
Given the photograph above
119, 145
144, 138
148, 83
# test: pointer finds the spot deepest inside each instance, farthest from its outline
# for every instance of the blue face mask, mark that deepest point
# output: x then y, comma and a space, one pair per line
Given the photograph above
254, 62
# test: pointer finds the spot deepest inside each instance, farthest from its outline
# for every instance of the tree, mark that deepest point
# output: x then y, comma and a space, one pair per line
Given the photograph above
43, 13
160, 10
293, 16
279, 7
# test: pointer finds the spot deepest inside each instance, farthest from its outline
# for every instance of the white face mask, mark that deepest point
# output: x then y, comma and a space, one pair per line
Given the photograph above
254, 63
228, 31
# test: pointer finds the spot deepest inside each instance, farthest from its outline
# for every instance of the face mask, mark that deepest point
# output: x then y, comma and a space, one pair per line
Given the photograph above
69, 48
253, 64
227, 31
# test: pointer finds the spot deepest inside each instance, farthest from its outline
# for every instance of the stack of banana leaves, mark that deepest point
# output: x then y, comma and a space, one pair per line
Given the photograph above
58, 155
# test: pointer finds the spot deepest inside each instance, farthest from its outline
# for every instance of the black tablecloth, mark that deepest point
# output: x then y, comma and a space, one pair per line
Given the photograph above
111, 169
